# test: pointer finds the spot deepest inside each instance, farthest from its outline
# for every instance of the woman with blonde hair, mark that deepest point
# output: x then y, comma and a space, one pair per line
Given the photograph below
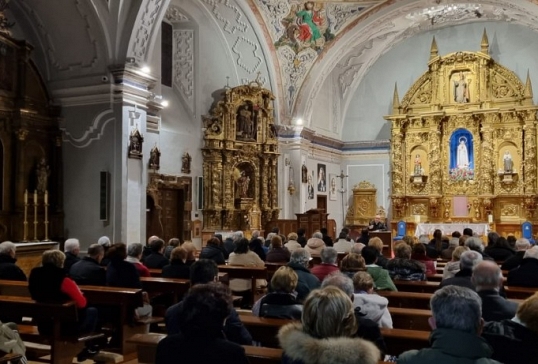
378, 245
292, 243
281, 302
324, 335
351, 264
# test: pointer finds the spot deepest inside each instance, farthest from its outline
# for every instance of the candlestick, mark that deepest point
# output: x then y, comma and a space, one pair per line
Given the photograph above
25, 197
35, 197
46, 197
490, 219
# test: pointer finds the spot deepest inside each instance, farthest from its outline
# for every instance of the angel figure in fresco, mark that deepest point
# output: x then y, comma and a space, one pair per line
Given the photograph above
461, 90
508, 162
462, 156
308, 20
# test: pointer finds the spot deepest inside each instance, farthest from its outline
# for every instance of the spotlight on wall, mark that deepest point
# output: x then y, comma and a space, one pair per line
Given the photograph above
145, 69
299, 121
164, 103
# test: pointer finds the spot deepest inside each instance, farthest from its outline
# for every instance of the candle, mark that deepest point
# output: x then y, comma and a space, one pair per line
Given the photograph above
46, 197
417, 218
35, 197
25, 197
490, 219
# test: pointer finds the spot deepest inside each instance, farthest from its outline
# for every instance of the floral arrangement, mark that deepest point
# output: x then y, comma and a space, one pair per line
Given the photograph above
461, 174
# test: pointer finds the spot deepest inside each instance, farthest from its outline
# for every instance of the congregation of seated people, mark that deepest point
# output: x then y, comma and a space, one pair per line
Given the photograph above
316, 296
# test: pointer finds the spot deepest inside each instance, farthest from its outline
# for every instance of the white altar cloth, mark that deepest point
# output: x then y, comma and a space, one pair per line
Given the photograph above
448, 229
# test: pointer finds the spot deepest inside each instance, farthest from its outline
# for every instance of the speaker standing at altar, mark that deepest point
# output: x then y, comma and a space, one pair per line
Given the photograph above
377, 224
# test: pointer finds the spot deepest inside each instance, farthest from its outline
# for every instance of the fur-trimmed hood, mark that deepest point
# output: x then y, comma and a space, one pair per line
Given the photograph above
300, 346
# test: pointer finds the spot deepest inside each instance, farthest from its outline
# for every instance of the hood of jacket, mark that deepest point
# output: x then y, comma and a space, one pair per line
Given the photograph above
372, 305
298, 345
315, 243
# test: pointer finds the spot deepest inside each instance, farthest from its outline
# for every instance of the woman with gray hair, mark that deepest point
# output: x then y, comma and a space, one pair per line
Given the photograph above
325, 334
306, 282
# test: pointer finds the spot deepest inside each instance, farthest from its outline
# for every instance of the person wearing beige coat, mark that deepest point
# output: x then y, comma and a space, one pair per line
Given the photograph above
315, 244
243, 256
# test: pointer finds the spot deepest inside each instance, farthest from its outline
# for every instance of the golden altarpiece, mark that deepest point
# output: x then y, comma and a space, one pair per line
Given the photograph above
30, 148
463, 145
240, 161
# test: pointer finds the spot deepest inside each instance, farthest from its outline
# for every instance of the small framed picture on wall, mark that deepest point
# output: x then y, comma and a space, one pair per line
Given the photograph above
322, 178
332, 187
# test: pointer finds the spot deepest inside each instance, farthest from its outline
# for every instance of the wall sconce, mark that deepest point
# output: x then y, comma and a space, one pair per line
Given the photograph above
291, 184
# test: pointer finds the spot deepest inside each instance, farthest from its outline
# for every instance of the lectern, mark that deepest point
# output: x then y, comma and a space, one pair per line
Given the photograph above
312, 220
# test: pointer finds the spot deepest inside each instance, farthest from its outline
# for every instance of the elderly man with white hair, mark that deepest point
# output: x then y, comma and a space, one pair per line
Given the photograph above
72, 250
306, 282
229, 242
8, 269
522, 245
329, 257
315, 244
468, 260
475, 243
526, 275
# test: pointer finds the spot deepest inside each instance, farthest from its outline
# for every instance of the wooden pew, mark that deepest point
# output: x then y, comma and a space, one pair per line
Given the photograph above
10, 358
272, 268
417, 286
410, 318
519, 292
438, 277
263, 330
407, 299
173, 286
241, 272
122, 300
223, 277
400, 340
147, 347
62, 348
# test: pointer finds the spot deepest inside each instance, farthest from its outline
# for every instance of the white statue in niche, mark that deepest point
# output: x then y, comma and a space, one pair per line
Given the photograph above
462, 157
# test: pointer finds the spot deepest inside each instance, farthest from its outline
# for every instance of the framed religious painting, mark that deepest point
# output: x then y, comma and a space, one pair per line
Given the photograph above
322, 178
332, 187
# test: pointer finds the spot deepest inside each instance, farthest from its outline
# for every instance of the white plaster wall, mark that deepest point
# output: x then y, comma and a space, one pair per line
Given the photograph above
513, 46
81, 172
325, 117
372, 166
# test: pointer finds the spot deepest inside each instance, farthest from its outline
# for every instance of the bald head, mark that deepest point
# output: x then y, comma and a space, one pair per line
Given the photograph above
152, 238
487, 275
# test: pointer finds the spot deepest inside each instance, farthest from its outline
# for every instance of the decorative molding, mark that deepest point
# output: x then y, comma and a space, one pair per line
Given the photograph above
146, 25
183, 65
94, 132
175, 15
295, 67
50, 47
230, 26
241, 61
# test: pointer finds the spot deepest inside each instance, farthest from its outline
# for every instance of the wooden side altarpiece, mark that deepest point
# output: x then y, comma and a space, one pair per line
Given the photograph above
240, 157
30, 148
465, 131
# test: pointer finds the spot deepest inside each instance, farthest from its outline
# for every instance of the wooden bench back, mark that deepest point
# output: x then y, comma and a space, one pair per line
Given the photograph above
25, 306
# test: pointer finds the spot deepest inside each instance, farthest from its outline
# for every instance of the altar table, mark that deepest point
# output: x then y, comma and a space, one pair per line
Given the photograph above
448, 229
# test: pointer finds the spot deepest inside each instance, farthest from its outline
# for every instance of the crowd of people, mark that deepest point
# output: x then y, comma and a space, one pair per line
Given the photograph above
334, 304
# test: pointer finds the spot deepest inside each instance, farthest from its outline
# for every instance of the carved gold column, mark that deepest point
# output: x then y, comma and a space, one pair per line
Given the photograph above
529, 157
488, 164
396, 156
434, 137
264, 187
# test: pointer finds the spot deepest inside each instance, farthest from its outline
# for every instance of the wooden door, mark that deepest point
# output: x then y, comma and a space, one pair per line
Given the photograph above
172, 213
322, 202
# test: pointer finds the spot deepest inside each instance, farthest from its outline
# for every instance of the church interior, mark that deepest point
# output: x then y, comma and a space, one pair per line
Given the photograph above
183, 118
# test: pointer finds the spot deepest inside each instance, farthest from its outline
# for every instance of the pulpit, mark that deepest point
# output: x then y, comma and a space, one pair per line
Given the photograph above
313, 220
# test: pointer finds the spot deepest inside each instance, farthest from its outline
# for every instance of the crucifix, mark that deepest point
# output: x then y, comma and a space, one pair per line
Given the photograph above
342, 191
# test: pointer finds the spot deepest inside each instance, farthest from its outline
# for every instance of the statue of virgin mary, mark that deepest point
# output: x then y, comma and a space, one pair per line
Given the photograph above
462, 156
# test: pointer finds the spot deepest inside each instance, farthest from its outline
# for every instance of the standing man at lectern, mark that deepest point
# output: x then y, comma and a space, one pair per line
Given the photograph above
377, 224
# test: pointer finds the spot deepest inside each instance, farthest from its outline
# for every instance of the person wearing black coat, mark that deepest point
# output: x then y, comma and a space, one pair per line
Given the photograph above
8, 269
301, 239
156, 260
212, 251
500, 250
205, 271
88, 270
71, 250
526, 275
514, 340
522, 245
120, 273
306, 282
178, 267
256, 245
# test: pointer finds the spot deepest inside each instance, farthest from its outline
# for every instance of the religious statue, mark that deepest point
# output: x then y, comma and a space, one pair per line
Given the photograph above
243, 185
246, 121
155, 158
186, 163
418, 166
461, 90
42, 173
508, 162
304, 173
462, 156
135, 144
